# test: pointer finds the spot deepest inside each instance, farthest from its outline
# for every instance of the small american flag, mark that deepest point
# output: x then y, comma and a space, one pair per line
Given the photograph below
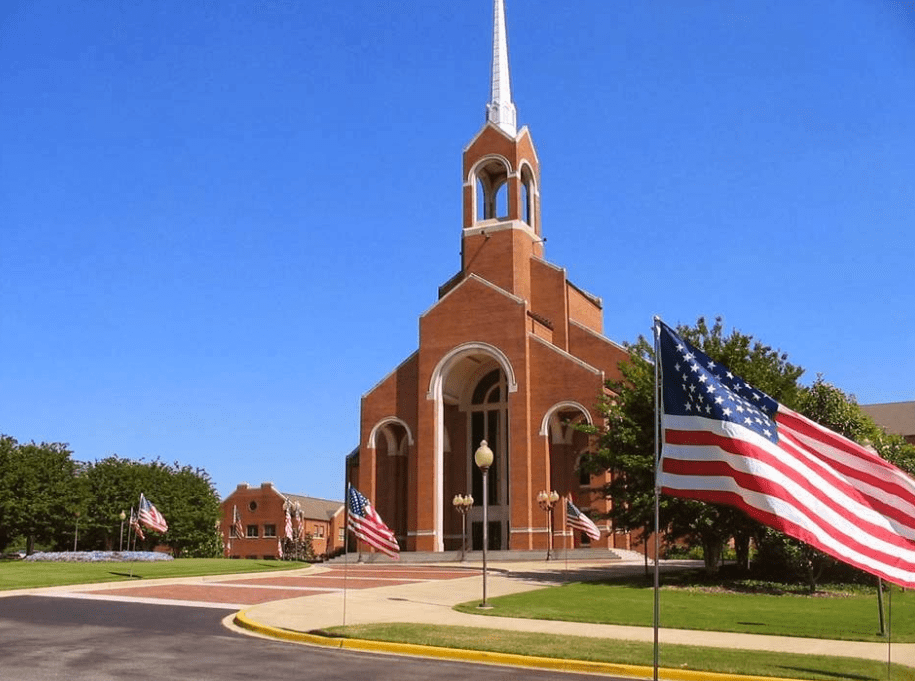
580, 521
279, 548
149, 515
135, 524
368, 525
288, 525
236, 523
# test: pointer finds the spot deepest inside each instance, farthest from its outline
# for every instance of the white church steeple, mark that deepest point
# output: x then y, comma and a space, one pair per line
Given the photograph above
501, 110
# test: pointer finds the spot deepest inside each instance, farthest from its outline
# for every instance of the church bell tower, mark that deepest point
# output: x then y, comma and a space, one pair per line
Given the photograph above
501, 202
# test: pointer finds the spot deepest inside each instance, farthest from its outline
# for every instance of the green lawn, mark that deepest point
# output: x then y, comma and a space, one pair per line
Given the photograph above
852, 616
19, 574
747, 662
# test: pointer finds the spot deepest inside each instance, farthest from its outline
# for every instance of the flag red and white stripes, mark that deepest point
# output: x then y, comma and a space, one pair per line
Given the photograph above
149, 515
288, 528
739, 447
236, 523
135, 524
575, 518
366, 524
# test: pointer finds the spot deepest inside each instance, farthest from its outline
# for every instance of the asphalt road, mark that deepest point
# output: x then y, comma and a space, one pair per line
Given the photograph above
69, 639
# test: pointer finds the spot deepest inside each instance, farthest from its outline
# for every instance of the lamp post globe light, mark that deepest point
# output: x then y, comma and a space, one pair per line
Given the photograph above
547, 501
122, 516
462, 504
483, 458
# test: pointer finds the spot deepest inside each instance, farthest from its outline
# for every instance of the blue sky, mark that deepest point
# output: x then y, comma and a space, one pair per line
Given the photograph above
220, 221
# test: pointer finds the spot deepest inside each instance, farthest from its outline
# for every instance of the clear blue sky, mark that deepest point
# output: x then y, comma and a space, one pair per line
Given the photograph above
220, 221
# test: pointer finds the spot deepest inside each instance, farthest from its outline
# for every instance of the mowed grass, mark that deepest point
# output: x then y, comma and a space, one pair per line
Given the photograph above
695, 658
851, 616
20, 574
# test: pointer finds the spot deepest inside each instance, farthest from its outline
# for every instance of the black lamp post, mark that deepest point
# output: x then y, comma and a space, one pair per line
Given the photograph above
483, 458
547, 500
462, 504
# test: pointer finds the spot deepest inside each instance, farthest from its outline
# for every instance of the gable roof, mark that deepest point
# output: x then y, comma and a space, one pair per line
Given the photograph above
316, 509
894, 417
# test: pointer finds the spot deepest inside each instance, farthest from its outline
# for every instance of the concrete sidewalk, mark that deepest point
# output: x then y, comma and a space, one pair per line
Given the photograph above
431, 603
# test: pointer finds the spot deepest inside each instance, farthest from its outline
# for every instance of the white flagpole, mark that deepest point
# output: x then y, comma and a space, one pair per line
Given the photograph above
657, 504
565, 529
345, 547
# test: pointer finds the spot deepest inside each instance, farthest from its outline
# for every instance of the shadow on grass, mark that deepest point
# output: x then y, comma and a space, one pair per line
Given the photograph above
821, 672
129, 575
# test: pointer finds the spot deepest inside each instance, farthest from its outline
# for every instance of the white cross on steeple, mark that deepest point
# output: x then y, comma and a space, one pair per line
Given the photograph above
501, 110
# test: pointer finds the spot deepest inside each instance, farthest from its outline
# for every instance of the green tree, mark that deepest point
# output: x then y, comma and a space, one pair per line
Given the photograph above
626, 444
40, 494
113, 485
184, 495
193, 512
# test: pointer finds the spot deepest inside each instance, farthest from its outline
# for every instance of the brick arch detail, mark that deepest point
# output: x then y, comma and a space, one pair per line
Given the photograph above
386, 421
556, 408
436, 382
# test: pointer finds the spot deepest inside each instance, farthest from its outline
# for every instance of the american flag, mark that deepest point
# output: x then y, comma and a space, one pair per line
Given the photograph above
575, 518
279, 548
149, 515
288, 525
236, 523
726, 442
368, 525
135, 524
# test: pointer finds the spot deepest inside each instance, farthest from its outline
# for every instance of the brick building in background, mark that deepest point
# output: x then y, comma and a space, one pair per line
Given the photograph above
262, 512
513, 353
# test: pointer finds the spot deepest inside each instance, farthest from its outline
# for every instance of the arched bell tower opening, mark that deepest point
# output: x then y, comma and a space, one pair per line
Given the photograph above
490, 180
529, 197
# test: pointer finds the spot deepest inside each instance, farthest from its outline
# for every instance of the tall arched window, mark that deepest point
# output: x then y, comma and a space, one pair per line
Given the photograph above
488, 420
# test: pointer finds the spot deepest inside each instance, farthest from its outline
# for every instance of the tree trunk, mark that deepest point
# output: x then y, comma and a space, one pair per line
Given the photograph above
711, 551
742, 549
30, 545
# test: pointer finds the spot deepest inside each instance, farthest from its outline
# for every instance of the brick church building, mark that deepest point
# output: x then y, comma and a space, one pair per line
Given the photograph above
512, 352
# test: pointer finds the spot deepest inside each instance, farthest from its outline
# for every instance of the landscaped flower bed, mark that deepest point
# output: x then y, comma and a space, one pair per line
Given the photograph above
98, 557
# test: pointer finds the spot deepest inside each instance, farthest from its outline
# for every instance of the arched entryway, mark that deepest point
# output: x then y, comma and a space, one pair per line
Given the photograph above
471, 388
392, 439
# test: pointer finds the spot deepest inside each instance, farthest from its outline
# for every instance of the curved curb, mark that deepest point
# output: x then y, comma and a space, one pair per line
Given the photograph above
581, 666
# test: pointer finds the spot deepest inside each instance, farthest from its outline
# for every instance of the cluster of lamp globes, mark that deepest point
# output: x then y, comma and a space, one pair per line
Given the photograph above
547, 499
462, 502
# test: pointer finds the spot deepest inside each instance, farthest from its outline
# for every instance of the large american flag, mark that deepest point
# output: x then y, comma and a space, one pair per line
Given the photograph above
368, 525
149, 515
726, 442
575, 518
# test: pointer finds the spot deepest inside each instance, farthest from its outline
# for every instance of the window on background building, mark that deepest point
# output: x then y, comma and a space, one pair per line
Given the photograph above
341, 534
584, 477
252, 506
269, 530
252, 531
319, 530
232, 533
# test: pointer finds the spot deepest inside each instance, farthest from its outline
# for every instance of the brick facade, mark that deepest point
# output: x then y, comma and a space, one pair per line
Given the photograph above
513, 353
263, 516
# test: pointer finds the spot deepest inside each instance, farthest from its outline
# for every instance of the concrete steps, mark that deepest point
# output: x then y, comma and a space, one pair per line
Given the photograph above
408, 557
